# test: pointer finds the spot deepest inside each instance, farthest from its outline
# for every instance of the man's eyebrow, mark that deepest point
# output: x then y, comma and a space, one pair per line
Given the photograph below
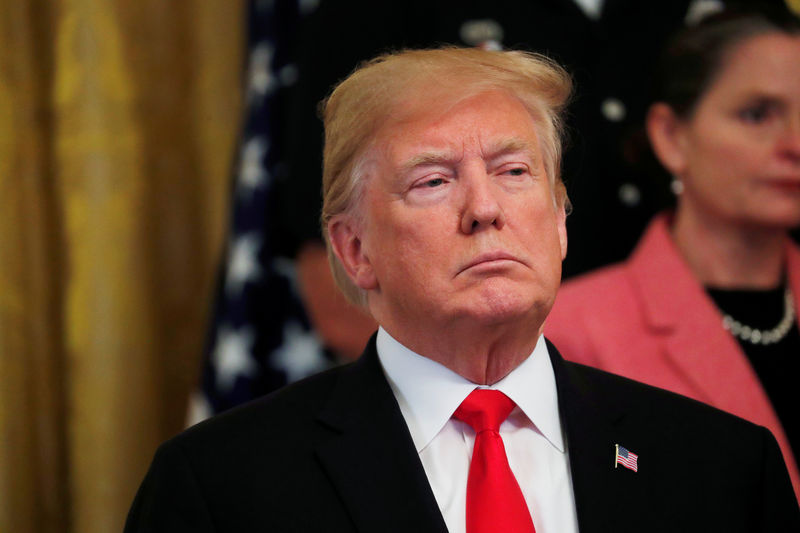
498, 149
427, 158
512, 145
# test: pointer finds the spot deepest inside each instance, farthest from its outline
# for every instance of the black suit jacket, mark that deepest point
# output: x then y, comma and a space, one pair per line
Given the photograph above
333, 453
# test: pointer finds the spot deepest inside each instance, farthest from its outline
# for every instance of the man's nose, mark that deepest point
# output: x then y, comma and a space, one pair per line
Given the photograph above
482, 208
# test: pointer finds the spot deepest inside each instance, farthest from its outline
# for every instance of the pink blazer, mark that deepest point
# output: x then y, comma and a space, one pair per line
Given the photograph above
649, 319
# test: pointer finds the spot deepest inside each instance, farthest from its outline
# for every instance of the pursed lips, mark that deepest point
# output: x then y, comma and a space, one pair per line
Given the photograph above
489, 257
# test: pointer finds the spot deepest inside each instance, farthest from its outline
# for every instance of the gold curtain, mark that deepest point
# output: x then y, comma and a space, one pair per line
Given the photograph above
118, 122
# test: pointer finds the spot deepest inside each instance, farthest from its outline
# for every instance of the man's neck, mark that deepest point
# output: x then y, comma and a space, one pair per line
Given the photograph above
481, 354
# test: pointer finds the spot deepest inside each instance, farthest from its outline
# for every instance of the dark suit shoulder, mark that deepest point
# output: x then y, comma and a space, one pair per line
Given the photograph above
710, 465
622, 393
649, 405
250, 466
281, 422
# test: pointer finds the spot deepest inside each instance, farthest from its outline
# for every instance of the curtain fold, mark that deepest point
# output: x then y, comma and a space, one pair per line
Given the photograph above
33, 490
117, 125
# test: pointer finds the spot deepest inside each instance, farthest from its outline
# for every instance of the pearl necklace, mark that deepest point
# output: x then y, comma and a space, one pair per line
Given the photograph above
765, 337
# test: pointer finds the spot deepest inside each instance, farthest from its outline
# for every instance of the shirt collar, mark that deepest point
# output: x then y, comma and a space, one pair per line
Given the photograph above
429, 393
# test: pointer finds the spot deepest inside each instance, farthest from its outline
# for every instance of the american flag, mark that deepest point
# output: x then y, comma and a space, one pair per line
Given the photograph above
259, 337
627, 459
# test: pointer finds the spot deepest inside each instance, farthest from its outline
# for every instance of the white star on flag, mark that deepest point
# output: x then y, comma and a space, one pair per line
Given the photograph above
253, 172
232, 357
260, 71
243, 265
300, 355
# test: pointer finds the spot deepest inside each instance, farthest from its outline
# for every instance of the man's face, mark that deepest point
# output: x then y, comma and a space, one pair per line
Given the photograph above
459, 219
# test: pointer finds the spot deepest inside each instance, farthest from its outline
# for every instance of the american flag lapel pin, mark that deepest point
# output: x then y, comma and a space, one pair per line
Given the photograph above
626, 458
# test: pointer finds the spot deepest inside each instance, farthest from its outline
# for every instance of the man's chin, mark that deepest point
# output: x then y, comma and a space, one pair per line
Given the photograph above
506, 307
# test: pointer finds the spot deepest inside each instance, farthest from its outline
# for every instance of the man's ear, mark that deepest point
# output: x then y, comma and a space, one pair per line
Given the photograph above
561, 202
345, 239
561, 222
666, 132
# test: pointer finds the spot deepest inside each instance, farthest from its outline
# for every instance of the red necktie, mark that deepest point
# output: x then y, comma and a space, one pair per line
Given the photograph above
494, 500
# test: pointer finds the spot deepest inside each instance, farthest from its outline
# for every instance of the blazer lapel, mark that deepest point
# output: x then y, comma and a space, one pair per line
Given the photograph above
711, 361
371, 459
677, 307
793, 274
606, 497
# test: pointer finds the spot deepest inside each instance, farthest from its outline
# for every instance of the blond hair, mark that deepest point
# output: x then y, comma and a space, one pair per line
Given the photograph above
365, 100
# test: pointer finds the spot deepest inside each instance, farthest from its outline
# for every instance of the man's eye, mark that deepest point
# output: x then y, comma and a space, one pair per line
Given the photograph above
435, 182
514, 171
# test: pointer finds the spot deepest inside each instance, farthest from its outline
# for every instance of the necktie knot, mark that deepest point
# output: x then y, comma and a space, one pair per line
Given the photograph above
485, 409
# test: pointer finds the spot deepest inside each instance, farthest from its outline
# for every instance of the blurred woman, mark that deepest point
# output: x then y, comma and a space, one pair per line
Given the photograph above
706, 304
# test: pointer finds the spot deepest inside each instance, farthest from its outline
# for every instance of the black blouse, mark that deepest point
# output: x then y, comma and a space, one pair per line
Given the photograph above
777, 365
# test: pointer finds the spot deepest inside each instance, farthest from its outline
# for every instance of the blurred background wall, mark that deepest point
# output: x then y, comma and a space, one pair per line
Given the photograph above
118, 120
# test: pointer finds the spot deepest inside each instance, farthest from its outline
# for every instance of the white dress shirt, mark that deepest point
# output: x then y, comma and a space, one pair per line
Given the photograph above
429, 393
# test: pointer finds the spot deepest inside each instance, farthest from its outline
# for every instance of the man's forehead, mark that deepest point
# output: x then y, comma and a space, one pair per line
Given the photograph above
434, 101
496, 119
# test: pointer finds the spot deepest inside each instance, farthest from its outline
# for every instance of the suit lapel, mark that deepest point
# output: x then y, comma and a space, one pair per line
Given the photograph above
793, 274
373, 464
793, 279
710, 360
606, 497
371, 459
677, 307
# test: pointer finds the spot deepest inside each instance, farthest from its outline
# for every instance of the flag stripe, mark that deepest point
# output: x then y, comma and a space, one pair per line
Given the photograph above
627, 458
